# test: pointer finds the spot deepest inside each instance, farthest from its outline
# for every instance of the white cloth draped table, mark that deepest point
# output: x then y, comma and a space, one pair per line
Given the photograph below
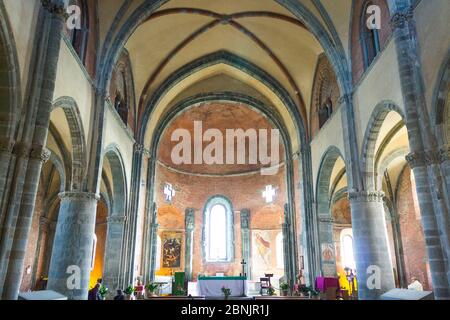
212, 286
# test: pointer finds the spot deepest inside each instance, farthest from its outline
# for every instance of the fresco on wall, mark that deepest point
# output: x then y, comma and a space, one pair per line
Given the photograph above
171, 249
265, 254
327, 252
262, 248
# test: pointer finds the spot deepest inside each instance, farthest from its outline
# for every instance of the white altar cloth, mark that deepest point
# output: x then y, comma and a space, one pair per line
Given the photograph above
212, 286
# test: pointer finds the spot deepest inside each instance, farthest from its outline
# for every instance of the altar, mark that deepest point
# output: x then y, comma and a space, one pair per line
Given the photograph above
212, 286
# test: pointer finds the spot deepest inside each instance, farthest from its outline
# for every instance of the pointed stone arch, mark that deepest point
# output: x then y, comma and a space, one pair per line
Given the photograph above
370, 140
114, 264
79, 156
323, 206
10, 87
441, 104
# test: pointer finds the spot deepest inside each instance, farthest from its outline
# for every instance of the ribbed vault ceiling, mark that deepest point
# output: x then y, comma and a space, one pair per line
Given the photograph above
262, 32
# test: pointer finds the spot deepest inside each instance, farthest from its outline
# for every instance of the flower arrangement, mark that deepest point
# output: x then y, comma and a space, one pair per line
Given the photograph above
305, 291
151, 289
226, 292
129, 292
103, 291
284, 288
271, 291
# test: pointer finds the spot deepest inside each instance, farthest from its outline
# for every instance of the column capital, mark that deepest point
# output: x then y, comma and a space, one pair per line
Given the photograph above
79, 196
21, 150
116, 219
44, 222
40, 153
328, 220
427, 157
444, 154
401, 17
34, 152
138, 148
6, 144
141, 150
56, 7
346, 98
245, 219
366, 196
190, 219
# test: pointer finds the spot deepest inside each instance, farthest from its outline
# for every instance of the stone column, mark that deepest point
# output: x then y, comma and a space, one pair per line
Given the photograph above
431, 230
150, 217
288, 248
23, 225
188, 252
425, 156
371, 248
44, 229
154, 249
326, 240
444, 159
286, 252
70, 266
245, 241
30, 148
131, 225
6, 147
112, 273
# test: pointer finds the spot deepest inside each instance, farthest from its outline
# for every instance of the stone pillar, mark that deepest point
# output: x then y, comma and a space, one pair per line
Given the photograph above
45, 227
6, 148
112, 272
425, 156
14, 272
131, 225
152, 246
444, 159
431, 231
150, 217
154, 249
286, 252
30, 148
288, 248
326, 241
71, 262
188, 252
371, 248
245, 241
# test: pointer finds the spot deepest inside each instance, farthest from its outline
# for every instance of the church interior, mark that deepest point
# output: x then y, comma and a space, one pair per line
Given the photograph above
263, 149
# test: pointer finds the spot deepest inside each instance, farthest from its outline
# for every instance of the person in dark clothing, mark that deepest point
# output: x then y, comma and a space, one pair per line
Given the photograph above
94, 293
120, 295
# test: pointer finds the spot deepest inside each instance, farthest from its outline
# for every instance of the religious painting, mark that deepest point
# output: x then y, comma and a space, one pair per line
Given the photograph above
327, 252
262, 248
171, 249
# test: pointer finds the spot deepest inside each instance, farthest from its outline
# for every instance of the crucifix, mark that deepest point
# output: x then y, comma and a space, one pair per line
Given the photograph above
244, 277
169, 192
269, 194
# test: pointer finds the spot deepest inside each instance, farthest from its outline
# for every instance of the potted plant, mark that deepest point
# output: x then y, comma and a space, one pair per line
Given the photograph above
103, 291
226, 292
151, 289
271, 291
309, 292
284, 289
180, 292
129, 292
314, 294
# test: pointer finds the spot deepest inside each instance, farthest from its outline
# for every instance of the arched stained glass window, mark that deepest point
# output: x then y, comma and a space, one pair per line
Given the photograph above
348, 259
218, 230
